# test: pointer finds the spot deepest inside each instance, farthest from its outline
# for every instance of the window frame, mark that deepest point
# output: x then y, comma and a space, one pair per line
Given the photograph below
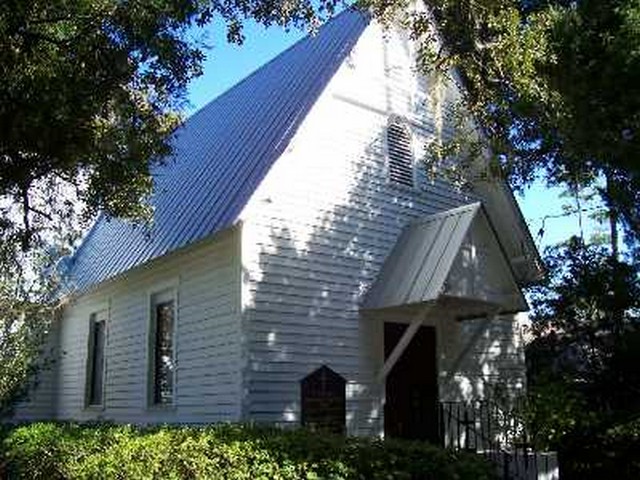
155, 298
314, 403
406, 125
99, 315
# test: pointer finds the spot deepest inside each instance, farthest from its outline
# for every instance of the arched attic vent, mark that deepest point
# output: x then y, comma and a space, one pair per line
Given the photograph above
400, 152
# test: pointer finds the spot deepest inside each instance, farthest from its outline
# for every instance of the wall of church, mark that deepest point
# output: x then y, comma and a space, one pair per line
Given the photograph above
483, 359
263, 305
318, 229
204, 281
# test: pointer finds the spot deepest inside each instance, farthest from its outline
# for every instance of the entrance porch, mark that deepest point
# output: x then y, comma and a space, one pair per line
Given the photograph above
447, 305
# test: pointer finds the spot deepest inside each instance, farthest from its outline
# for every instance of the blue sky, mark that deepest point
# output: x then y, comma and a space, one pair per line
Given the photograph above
227, 64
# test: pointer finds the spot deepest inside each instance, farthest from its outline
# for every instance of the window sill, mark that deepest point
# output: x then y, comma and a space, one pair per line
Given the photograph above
162, 408
94, 408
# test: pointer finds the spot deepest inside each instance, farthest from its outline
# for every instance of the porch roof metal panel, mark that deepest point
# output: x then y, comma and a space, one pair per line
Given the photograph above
453, 256
417, 268
220, 156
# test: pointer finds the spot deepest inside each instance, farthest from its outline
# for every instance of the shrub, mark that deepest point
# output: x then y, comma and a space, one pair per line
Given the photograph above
71, 451
602, 452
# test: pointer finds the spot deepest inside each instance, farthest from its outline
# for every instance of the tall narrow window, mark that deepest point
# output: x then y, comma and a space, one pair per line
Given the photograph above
95, 367
162, 355
400, 153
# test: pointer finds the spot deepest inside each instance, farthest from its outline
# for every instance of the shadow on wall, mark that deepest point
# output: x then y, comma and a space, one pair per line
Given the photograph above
488, 361
321, 248
311, 272
313, 268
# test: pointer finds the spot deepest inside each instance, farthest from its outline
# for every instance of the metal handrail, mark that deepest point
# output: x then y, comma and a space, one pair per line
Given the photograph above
497, 426
488, 429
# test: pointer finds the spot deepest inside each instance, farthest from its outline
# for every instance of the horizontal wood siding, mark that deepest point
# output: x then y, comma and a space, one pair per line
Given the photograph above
207, 339
483, 359
320, 226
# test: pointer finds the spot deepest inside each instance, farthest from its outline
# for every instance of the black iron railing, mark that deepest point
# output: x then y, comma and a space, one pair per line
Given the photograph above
494, 431
480, 425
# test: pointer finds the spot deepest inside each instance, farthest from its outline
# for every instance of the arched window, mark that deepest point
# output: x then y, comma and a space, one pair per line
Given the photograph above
400, 153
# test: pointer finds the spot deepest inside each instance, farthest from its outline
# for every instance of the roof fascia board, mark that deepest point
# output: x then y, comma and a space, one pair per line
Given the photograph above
513, 276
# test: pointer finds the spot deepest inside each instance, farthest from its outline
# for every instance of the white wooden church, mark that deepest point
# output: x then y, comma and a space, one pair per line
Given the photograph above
301, 267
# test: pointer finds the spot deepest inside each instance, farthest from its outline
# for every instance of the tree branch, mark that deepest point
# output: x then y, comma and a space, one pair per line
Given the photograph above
46, 38
40, 212
26, 208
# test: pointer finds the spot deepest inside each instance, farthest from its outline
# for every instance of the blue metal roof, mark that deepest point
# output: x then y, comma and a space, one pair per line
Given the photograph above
221, 154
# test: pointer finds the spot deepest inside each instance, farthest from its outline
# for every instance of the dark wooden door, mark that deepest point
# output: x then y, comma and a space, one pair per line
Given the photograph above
411, 407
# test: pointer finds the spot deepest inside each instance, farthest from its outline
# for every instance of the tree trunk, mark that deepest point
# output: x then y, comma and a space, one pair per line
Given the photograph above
617, 312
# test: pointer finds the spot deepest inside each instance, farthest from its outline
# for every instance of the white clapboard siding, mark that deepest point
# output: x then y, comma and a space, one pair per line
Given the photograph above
483, 359
206, 279
263, 305
320, 226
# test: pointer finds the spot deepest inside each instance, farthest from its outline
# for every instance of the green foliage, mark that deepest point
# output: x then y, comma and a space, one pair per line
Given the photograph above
554, 410
583, 377
554, 85
90, 91
23, 330
588, 305
56, 451
602, 451
26, 312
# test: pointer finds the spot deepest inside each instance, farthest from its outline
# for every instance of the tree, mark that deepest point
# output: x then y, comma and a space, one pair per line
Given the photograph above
575, 309
90, 93
26, 313
582, 364
554, 86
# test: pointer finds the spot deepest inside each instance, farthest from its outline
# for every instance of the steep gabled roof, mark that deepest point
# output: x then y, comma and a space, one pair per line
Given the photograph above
221, 155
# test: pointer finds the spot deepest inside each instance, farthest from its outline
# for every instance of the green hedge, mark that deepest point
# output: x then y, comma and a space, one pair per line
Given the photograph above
596, 453
58, 451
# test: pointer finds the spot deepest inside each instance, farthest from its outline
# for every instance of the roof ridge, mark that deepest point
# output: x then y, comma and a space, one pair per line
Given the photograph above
264, 66
222, 153
447, 213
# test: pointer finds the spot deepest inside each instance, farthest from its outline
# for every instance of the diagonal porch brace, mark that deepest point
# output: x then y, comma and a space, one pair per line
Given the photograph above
403, 343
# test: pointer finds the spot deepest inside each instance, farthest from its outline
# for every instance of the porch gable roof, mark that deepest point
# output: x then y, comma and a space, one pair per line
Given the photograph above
451, 255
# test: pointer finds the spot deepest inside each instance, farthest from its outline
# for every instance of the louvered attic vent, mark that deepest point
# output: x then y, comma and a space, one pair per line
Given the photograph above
400, 154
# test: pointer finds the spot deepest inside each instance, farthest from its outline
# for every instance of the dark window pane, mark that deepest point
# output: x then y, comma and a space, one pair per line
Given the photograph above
323, 401
163, 354
98, 335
